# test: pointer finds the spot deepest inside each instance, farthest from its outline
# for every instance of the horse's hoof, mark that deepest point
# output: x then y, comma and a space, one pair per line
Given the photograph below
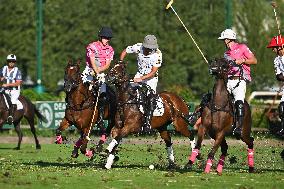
17, 148
251, 170
83, 151
99, 148
74, 155
172, 166
219, 173
116, 158
188, 166
38, 147
199, 157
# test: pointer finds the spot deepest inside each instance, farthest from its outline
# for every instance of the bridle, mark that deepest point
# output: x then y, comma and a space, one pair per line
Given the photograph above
219, 68
72, 82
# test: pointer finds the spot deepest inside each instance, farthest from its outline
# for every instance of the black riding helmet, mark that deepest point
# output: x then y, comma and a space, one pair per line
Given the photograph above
105, 32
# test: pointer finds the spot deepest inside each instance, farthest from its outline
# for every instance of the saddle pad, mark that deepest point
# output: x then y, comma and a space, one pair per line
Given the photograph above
159, 110
19, 104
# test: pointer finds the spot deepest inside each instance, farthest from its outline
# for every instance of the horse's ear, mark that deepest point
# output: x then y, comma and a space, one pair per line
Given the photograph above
78, 61
69, 61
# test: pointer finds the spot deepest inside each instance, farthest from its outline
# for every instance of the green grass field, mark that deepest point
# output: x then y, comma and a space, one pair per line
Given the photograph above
52, 167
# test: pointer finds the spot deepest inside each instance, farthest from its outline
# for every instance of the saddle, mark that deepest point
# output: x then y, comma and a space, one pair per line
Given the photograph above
8, 101
147, 99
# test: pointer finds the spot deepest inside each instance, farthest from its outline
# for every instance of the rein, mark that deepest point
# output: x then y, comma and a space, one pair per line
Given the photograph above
86, 102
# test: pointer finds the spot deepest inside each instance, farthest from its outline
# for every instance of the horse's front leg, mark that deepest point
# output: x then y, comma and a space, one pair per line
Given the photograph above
219, 138
196, 149
221, 162
63, 125
118, 134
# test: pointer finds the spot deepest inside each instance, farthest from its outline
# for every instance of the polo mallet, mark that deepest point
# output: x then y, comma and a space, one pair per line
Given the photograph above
94, 113
169, 5
274, 5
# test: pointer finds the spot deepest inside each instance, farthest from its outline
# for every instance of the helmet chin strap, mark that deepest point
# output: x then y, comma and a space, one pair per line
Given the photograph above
228, 44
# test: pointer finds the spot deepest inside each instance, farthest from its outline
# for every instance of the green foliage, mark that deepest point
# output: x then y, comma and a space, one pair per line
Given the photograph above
70, 26
34, 96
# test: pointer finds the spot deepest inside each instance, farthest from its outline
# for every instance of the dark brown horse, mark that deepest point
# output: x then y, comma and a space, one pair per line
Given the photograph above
217, 119
82, 109
129, 118
29, 111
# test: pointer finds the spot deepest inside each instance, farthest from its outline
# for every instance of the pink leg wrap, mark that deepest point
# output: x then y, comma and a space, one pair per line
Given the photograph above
89, 153
59, 139
103, 138
208, 165
194, 153
78, 143
221, 164
250, 157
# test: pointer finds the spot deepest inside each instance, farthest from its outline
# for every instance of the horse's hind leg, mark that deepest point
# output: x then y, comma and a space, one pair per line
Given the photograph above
224, 150
20, 135
195, 152
32, 126
167, 138
249, 142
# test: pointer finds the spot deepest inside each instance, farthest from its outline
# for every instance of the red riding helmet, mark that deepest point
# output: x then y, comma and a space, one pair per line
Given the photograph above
276, 41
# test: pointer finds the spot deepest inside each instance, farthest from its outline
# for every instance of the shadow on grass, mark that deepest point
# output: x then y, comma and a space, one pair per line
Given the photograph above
7, 148
178, 169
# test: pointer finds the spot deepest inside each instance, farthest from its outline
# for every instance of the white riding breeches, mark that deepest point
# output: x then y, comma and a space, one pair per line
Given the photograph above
14, 95
152, 83
237, 88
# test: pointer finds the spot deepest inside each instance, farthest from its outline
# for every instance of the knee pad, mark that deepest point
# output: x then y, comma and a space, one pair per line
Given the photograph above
281, 110
240, 110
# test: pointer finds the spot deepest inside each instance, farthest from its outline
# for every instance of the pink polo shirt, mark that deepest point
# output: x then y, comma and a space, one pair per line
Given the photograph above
100, 52
238, 51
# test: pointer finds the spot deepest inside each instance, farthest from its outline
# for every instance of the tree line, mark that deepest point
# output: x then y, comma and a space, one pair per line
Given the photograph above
70, 25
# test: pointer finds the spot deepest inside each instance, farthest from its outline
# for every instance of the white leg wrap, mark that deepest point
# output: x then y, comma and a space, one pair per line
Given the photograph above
109, 161
112, 145
171, 154
192, 143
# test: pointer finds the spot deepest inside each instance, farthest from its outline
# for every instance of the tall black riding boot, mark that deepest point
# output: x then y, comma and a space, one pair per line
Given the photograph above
12, 111
281, 116
102, 104
240, 111
149, 113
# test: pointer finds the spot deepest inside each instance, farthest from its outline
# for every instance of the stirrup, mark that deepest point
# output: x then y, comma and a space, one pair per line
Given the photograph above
192, 118
10, 119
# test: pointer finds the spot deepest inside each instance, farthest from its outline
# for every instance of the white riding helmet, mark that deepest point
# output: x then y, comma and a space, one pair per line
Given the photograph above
12, 57
228, 34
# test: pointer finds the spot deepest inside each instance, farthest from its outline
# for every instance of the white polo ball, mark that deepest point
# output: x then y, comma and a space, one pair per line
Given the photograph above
151, 167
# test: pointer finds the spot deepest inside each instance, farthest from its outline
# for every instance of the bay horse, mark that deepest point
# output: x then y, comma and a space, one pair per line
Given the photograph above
82, 109
218, 117
129, 118
29, 111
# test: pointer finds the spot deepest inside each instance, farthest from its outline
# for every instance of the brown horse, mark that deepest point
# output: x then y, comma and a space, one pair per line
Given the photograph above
217, 119
29, 111
129, 118
82, 109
